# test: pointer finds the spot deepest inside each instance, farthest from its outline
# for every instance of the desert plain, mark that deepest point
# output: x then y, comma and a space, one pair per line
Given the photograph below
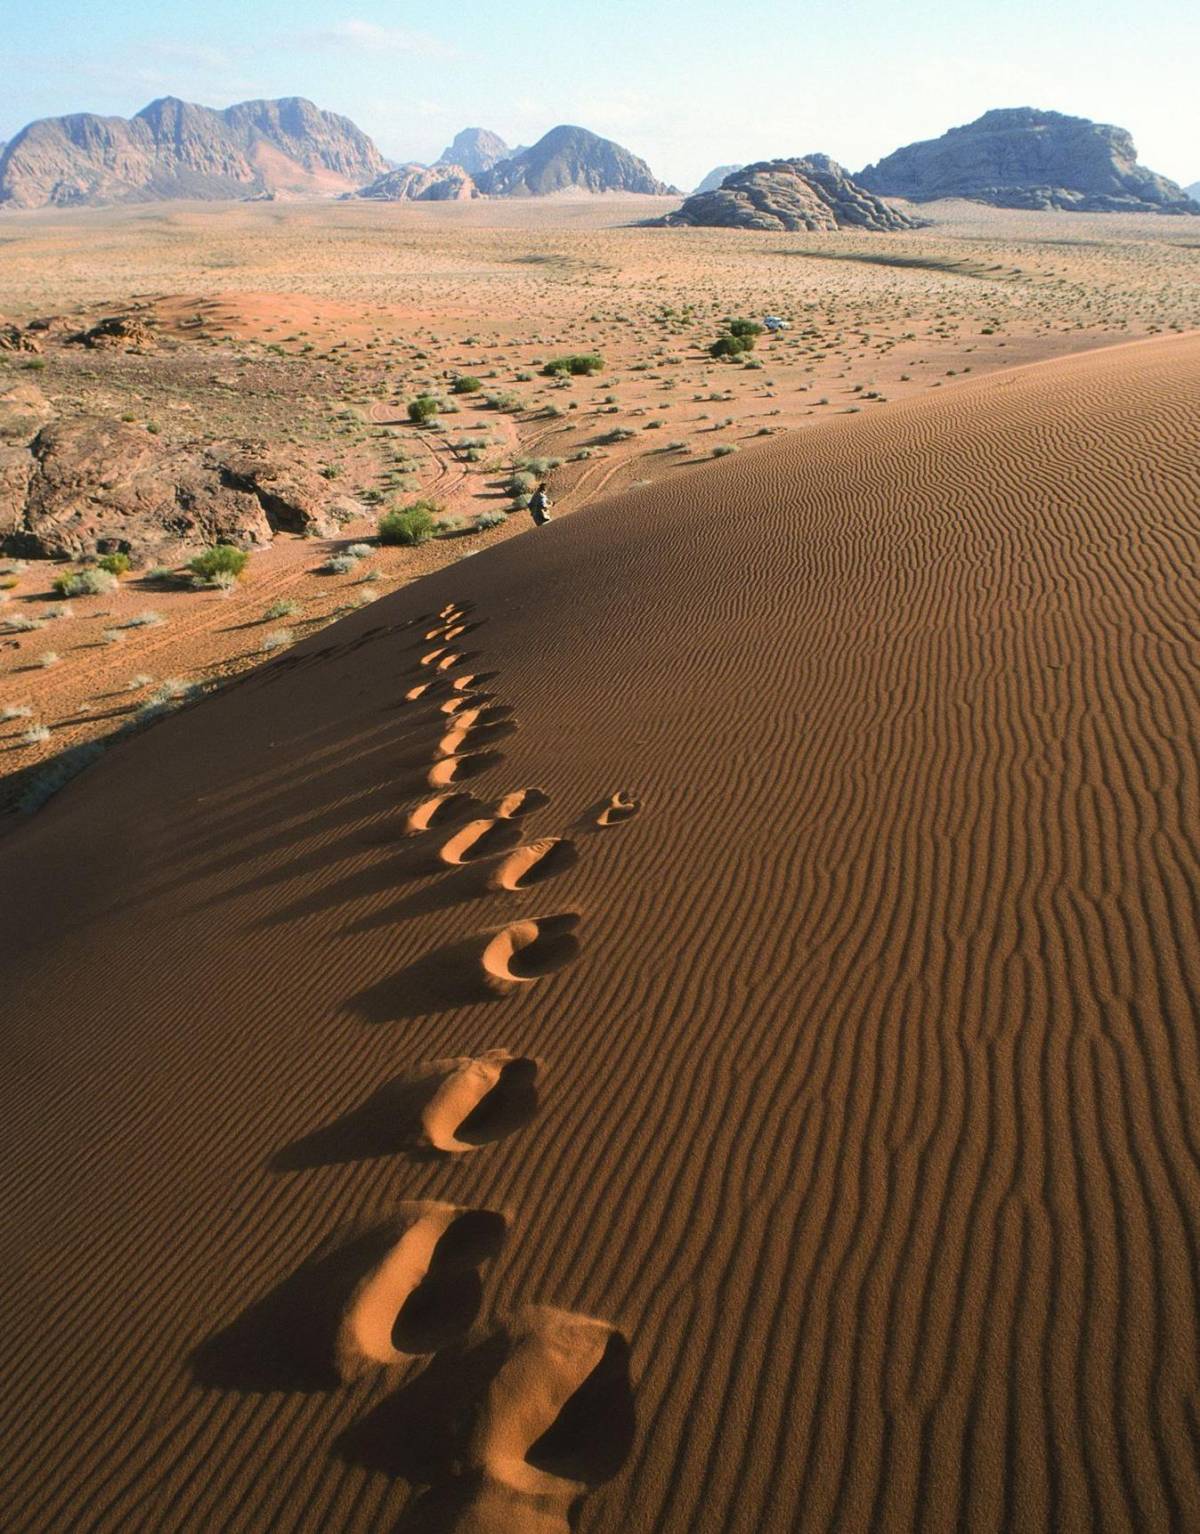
686, 1021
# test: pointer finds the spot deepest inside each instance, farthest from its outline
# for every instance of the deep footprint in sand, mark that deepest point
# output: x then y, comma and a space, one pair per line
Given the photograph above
534, 863
557, 1421
477, 1100
526, 950
424, 1291
456, 769
523, 801
620, 808
482, 730
480, 839
440, 810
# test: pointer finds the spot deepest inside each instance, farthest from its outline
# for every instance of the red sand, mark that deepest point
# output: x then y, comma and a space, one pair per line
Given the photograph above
854, 1070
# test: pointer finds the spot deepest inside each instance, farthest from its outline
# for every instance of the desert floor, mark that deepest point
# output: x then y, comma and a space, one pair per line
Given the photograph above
314, 324
686, 1022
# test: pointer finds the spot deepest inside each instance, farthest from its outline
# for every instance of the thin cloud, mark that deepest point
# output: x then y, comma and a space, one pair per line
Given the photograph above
354, 35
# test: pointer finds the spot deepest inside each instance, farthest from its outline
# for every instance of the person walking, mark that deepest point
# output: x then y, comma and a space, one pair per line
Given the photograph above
539, 505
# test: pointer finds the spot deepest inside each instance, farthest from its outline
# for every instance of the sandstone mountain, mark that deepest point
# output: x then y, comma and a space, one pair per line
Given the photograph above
715, 177
476, 150
420, 183
569, 158
1024, 158
174, 148
809, 193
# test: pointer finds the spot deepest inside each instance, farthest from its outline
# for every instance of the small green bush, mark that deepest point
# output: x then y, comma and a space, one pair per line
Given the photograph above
90, 582
422, 409
731, 346
410, 527
115, 564
466, 385
580, 364
222, 559
744, 328
487, 519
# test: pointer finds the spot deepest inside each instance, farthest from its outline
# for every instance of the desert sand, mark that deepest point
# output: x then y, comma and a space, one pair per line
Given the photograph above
312, 325
685, 1020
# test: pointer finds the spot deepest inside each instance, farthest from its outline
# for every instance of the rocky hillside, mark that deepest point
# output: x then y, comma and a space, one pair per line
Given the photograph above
1023, 158
476, 150
714, 178
809, 193
420, 183
173, 148
570, 158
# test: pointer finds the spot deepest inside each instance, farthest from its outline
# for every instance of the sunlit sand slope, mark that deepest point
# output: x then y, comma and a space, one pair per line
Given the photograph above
686, 1021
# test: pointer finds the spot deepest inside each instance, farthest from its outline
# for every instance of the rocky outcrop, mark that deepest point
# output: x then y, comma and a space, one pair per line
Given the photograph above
571, 159
475, 150
94, 486
173, 148
421, 183
715, 177
120, 332
1024, 158
811, 193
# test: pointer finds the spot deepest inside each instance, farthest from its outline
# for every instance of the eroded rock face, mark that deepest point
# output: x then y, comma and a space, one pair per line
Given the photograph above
475, 150
569, 158
93, 486
1020, 157
121, 331
174, 148
812, 193
422, 183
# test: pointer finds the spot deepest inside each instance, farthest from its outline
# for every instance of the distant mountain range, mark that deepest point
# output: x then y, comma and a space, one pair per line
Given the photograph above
1014, 157
173, 148
1019, 157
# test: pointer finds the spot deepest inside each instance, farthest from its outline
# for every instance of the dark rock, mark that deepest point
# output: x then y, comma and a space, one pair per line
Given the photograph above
120, 331
1024, 158
812, 193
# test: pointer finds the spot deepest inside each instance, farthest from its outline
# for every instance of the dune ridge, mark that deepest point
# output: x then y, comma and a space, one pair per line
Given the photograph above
866, 1024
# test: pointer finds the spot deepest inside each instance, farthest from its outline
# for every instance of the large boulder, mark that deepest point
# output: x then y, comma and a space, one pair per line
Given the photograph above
812, 193
93, 486
1020, 157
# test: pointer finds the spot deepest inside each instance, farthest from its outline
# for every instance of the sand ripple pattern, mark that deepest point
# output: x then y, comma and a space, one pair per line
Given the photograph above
871, 1105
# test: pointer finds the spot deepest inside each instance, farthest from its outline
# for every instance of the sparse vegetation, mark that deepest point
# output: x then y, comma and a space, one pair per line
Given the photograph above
412, 526
277, 639
579, 364
91, 581
283, 608
222, 559
115, 564
422, 409
465, 384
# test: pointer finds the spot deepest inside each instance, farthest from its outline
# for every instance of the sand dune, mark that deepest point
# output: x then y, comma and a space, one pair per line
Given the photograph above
808, 1064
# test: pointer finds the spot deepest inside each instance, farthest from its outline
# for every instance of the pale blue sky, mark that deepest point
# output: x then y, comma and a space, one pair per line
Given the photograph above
687, 84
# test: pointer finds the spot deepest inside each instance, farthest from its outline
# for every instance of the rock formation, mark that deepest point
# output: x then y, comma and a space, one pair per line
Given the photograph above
569, 158
94, 486
715, 177
1193, 191
476, 150
421, 183
173, 148
1023, 158
809, 193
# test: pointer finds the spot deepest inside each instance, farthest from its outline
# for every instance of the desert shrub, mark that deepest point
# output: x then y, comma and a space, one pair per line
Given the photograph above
723, 449
450, 527
466, 385
277, 639
539, 466
579, 364
731, 346
60, 610
49, 658
422, 409
112, 636
487, 519
520, 483
35, 734
339, 564
58, 773
618, 434
90, 582
146, 619
23, 625
115, 564
507, 402
744, 328
15, 711
284, 608
160, 573
360, 551
222, 559
408, 528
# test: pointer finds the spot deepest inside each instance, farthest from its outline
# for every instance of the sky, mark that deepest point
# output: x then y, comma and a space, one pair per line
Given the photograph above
686, 84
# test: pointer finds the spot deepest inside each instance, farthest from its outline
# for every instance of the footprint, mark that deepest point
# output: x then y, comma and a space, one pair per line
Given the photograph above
425, 1289
535, 862
464, 683
483, 732
479, 1100
440, 810
620, 808
461, 702
523, 802
556, 1421
480, 839
431, 656
526, 950
457, 769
